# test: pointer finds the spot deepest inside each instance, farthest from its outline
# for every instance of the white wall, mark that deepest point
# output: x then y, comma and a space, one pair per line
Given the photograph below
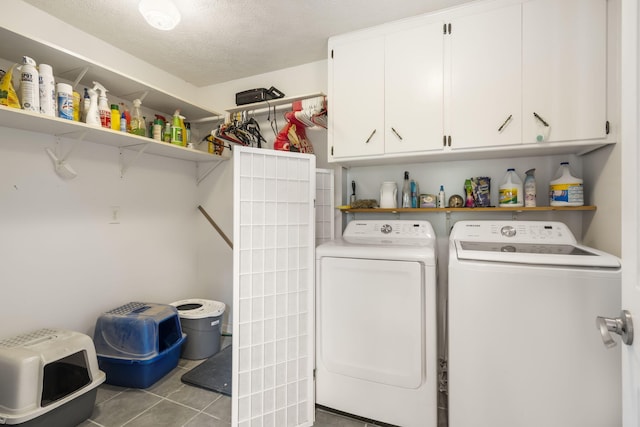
62, 261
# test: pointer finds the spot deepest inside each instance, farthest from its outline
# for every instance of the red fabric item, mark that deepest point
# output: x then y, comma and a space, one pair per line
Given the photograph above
293, 137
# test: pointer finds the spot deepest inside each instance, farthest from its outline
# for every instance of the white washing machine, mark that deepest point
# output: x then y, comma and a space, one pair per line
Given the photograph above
376, 322
524, 349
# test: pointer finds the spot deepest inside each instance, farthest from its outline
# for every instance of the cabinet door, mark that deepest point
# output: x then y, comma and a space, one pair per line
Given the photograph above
357, 98
564, 69
486, 73
414, 89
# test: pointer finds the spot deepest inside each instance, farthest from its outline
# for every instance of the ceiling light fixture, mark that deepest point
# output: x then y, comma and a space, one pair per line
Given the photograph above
160, 14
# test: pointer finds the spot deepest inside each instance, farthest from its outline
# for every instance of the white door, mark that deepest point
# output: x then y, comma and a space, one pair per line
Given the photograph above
630, 138
273, 287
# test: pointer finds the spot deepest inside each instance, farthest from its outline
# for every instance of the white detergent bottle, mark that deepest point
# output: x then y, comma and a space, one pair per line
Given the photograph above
29, 85
566, 189
511, 194
92, 114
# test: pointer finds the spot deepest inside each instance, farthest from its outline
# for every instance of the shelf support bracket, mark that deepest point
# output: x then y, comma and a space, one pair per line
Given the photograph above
80, 76
201, 177
124, 166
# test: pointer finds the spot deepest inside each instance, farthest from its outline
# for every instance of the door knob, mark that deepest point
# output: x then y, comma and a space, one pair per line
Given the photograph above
622, 326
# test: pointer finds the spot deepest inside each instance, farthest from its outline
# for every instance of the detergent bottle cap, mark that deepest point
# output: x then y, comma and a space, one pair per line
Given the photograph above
137, 103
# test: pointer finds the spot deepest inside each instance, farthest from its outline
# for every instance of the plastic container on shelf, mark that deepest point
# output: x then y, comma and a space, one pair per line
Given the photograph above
64, 94
29, 91
47, 90
566, 189
530, 189
511, 194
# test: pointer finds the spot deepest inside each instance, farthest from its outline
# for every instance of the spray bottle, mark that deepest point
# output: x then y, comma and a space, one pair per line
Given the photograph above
92, 115
104, 110
137, 124
29, 85
176, 129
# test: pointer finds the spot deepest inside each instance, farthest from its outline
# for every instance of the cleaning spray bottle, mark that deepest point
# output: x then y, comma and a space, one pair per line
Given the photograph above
29, 85
176, 129
138, 126
104, 110
92, 116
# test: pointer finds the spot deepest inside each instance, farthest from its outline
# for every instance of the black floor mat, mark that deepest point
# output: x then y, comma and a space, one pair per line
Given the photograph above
213, 374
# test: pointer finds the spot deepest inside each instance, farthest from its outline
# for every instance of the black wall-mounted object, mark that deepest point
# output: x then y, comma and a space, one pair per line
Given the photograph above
257, 95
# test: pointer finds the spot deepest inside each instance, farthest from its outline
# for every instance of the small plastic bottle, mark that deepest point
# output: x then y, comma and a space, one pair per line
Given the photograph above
123, 122
406, 191
530, 189
511, 190
115, 117
176, 129
566, 189
29, 85
441, 198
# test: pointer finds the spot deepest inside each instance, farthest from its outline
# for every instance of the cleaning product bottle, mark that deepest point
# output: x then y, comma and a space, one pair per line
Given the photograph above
93, 115
441, 198
184, 131
86, 102
406, 191
115, 117
166, 135
530, 189
104, 109
123, 122
47, 90
157, 128
76, 105
29, 85
137, 121
566, 189
176, 129
414, 194
64, 95
511, 190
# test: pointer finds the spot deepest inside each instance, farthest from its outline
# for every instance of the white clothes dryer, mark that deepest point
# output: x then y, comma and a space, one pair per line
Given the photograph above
524, 349
376, 322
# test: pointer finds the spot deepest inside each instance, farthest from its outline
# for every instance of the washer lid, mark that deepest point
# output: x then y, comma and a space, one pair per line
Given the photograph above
533, 253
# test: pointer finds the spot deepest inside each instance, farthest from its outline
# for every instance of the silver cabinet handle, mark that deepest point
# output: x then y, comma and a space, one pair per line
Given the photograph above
397, 134
370, 136
541, 119
622, 326
505, 123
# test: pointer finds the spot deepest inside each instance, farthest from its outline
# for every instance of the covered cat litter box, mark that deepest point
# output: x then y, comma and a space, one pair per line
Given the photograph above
138, 343
200, 319
48, 377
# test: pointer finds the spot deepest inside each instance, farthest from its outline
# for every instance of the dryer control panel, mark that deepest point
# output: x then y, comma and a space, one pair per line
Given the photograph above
392, 231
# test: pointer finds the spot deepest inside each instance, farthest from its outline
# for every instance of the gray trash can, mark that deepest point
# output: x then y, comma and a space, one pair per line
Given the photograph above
201, 321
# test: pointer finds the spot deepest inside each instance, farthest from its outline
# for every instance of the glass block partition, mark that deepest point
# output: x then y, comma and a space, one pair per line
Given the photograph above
273, 317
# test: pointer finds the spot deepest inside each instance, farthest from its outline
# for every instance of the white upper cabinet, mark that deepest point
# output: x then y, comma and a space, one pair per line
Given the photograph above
356, 104
564, 69
386, 93
486, 73
505, 78
414, 89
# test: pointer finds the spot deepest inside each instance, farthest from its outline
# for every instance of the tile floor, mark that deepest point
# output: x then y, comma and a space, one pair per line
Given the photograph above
171, 403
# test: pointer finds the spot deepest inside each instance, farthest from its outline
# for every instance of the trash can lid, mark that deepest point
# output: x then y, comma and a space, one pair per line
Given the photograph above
198, 308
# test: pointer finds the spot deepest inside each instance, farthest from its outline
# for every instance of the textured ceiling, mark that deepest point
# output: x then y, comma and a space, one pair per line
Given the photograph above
222, 40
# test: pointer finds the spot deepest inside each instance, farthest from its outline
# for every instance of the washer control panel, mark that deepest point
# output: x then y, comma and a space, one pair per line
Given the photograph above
549, 232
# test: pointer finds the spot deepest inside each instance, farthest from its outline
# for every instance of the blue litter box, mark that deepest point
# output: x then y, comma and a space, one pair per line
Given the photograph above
138, 343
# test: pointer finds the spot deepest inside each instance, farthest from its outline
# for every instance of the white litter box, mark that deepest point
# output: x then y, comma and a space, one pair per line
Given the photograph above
48, 377
201, 321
